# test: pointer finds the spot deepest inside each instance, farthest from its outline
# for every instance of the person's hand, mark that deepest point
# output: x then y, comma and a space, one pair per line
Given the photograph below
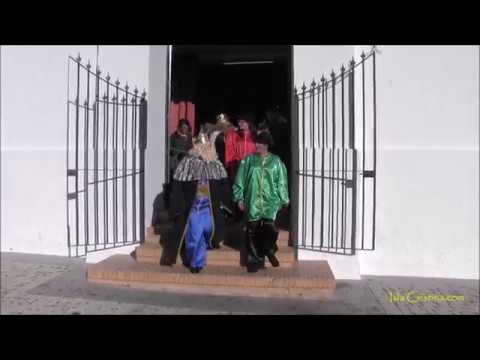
241, 205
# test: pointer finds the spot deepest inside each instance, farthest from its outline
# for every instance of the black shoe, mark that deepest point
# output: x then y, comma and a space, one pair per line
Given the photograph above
253, 268
164, 262
273, 260
195, 270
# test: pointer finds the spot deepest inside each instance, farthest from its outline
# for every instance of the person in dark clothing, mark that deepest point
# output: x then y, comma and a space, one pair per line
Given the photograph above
199, 193
180, 144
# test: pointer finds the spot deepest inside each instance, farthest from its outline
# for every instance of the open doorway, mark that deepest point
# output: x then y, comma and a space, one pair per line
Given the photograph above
210, 79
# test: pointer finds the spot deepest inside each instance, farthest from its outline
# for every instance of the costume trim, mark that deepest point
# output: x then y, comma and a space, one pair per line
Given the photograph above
192, 168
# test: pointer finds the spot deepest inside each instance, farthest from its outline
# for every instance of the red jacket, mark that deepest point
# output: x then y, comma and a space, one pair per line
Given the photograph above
237, 147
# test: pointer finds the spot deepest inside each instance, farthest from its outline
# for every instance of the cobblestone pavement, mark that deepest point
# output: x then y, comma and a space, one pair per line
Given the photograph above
36, 284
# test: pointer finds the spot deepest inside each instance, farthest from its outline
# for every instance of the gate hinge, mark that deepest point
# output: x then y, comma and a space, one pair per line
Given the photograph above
72, 196
71, 172
369, 173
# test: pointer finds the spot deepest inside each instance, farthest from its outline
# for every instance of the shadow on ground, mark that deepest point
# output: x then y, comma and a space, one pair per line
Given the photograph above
74, 285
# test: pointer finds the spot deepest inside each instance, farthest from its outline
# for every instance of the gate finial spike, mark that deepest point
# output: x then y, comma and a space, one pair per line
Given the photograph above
78, 58
342, 69
352, 62
98, 71
126, 86
304, 87
144, 94
323, 79
117, 82
362, 55
108, 77
332, 75
135, 91
88, 65
313, 83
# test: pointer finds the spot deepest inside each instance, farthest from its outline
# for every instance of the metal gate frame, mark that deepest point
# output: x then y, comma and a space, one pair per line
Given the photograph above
315, 108
126, 111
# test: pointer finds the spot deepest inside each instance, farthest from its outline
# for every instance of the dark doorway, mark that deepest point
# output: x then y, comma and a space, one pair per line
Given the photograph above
210, 79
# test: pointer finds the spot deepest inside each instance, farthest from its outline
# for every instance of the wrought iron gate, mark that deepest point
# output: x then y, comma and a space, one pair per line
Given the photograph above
106, 142
337, 160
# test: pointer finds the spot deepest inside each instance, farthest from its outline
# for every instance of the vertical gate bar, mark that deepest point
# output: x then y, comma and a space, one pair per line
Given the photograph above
332, 182
363, 149
312, 132
134, 166
107, 119
338, 197
342, 239
115, 164
374, 149
354, 153
95, 148
124, 163
77, 115
143, 145
68, 158
323, 162
85, 160
304, 190
105, 173
345, 203
329, 166
319, 139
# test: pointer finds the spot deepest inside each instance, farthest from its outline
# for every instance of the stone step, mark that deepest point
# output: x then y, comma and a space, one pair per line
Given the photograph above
304, 279
151, 253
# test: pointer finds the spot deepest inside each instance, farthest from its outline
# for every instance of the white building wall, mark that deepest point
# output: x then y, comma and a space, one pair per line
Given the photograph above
33, 124
427, 164
155, 153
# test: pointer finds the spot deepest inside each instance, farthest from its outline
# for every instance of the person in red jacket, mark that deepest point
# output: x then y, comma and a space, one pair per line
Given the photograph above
239, 144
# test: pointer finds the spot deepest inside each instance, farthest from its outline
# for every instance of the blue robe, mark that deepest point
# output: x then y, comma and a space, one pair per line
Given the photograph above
199, 233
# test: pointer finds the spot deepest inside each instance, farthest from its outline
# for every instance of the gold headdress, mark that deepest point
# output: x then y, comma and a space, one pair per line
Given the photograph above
204, 147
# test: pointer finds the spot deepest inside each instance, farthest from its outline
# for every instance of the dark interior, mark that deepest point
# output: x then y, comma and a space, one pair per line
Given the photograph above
236, 79
259, 79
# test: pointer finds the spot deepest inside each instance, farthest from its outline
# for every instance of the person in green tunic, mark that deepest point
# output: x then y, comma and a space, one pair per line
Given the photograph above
261, 190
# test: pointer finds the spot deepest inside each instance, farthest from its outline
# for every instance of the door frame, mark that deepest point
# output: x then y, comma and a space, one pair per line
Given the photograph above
294, 150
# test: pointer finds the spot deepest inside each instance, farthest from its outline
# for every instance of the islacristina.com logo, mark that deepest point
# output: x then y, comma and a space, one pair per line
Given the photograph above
413, 297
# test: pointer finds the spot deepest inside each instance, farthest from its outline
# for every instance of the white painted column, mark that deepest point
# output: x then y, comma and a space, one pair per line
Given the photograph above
155, 175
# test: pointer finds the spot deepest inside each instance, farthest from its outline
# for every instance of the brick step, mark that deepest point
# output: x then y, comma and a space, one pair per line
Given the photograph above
149, 253
218, 262
305, 278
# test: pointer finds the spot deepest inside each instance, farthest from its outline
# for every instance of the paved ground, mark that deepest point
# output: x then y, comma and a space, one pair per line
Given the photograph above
35, 284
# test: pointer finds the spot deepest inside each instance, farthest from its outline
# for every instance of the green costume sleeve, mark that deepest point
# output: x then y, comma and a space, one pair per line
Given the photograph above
282, 184
239, 185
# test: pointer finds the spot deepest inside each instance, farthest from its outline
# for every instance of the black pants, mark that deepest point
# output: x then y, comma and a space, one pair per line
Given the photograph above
261, 240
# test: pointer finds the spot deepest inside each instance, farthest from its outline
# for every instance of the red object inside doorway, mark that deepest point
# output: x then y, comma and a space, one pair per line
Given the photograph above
179, 110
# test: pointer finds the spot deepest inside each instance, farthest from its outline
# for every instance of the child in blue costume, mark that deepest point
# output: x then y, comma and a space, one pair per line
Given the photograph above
200, 229
200, 190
